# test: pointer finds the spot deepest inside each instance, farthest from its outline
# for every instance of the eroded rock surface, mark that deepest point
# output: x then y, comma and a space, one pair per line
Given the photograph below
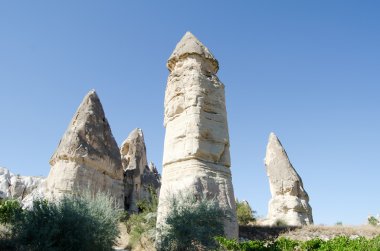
16, 186
196, 151
290, 202
87, 157
139, 178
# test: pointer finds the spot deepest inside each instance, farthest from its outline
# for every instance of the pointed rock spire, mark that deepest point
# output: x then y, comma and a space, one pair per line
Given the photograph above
276, 156
133, 152
138, 177
190, 45
87, 157
89, 137
290, 202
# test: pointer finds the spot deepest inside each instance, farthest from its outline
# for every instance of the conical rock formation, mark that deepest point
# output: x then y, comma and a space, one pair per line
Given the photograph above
138, 176
289, 202
87, 157
196, 151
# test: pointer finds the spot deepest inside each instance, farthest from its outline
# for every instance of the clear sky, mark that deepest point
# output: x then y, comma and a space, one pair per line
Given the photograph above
307, 70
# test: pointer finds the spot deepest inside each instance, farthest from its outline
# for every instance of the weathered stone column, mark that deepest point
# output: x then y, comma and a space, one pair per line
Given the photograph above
290, 202
196, 151
87, 157
139, 178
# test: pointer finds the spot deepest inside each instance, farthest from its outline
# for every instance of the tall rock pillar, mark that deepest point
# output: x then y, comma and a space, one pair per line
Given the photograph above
196, 152
289, 202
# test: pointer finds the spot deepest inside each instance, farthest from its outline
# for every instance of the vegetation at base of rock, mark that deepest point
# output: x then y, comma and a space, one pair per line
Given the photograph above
372, 220
285, 244
74, 223
191, 224
244, 213
10, 210
144, 222
280, 223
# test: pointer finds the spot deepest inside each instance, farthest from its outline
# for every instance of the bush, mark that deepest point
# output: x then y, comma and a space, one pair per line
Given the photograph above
285, 244
124, 216
139, 224
10, 211
191, 224
244, 213
145, 221
74, 223
234, 245
373, 221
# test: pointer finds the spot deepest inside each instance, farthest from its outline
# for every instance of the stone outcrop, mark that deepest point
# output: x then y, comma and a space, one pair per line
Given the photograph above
87, 157
139, 178
290, 202
39, 193
196, 151
16, 186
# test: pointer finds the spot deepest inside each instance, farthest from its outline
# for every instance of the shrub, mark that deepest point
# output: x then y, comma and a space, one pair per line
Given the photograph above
191, 224
145, 221
280, 223
10, 211
74, 223
139, 224
124, 216
313, 244
285, 244
372, 220
234, 245
244, 213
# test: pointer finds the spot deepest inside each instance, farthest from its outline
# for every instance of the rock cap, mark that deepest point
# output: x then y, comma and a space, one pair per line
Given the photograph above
190, 45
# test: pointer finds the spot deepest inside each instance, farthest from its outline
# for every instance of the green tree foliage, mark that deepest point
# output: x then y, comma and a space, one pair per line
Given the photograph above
74, 223
191, 224
244, 213
10, 210
145, 221
373, 221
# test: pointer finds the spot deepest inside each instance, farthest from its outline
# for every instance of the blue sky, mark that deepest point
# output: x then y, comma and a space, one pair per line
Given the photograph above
307, 70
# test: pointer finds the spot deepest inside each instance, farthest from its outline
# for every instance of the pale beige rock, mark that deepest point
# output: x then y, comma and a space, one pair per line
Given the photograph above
196, 150
138, 176
289, 202
87, 157
16, 186
38, 193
